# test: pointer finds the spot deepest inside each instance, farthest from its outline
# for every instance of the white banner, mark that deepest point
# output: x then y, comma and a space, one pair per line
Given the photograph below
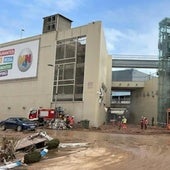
19, 61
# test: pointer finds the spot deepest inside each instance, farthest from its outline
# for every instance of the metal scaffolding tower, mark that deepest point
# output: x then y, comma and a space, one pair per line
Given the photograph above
164, 70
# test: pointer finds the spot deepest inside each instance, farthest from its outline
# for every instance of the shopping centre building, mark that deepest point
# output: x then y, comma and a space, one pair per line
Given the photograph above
64, 66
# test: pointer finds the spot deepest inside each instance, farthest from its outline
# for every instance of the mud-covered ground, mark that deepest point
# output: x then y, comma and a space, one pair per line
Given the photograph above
108, 149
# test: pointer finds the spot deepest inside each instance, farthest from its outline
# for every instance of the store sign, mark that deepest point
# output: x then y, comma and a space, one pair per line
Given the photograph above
25, 59
19, 61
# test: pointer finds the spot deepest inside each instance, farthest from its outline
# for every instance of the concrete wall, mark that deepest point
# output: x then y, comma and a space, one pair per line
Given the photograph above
144, 102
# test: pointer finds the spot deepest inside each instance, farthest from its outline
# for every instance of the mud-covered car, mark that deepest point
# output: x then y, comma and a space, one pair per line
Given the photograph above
18, 124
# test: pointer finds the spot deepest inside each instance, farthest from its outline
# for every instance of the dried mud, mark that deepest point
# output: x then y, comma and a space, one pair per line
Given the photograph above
108, 149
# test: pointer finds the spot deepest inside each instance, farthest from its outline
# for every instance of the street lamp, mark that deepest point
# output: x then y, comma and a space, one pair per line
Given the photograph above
56, 92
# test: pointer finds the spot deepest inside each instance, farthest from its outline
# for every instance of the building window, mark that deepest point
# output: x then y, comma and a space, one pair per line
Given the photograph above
53, 18
70, 50
66, 49
68, 71
49, 19
70, 56
53, 26
60, 52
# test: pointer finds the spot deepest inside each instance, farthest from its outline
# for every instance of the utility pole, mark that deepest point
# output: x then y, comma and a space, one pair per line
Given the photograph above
58, 73
56, 93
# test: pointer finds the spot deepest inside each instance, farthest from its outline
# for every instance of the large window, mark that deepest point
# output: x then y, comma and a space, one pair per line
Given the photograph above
60, 51
70, 50
66, 49
69, 71
70, 58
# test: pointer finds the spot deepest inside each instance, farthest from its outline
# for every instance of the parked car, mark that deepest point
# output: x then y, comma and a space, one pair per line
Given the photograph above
17, 123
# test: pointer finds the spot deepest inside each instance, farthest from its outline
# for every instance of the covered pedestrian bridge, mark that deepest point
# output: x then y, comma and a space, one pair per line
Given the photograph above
135, 61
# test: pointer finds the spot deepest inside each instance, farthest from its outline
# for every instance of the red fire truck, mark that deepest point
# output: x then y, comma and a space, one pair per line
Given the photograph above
42, 115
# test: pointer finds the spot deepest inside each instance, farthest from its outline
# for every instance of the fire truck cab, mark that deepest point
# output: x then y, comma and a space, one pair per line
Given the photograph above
42, 115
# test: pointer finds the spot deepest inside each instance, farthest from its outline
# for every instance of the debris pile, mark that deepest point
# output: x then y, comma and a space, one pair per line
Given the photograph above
62, 123
11, 148
58, 124
30, 149
7, 150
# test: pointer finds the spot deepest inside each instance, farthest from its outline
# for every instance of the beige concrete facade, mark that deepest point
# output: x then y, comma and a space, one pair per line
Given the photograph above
144, 101
17, 96
98, 69
127, 85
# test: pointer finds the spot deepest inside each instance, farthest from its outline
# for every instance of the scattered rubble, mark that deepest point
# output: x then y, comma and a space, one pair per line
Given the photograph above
11, 147
64, 145
58, 124
33, 140
36, 142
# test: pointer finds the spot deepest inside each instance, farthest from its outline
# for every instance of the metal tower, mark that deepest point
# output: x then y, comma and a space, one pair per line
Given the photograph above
164, 70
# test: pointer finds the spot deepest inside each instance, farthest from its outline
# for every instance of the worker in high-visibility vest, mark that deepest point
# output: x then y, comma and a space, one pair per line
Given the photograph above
124, 122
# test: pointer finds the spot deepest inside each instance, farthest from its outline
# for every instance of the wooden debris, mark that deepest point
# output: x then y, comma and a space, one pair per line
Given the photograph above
33, 140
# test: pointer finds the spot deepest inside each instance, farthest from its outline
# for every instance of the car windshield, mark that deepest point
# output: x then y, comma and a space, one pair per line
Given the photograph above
33, 111
23, 119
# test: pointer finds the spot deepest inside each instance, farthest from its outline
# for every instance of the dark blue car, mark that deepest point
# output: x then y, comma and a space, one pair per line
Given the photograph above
18, 124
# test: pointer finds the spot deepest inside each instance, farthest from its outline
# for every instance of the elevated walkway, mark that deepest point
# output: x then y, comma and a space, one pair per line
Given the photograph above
135, 61
154, 64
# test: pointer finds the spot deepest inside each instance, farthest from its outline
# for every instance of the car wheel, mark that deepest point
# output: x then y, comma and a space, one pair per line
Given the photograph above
19, 128
3, 127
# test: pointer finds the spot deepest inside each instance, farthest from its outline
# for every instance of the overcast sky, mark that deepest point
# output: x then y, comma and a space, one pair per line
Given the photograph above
130, 26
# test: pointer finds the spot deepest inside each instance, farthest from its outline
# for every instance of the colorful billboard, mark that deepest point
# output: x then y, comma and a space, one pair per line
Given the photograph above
19, 61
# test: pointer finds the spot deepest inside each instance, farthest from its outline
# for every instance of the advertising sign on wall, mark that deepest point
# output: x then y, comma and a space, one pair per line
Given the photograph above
19, 61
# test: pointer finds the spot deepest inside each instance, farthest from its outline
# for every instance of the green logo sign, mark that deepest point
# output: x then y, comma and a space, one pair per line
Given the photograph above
6, 66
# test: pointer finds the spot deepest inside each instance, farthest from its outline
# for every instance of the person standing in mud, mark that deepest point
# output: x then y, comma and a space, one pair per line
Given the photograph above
124, 122
145, 122
119, 119
108, 115
152, 121
142, 122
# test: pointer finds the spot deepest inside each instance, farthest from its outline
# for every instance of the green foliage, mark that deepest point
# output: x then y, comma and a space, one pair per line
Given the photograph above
32, 157
53, 144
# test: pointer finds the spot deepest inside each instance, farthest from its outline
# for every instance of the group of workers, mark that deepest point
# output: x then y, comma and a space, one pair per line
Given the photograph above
69, 120
144, 122
122, 122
